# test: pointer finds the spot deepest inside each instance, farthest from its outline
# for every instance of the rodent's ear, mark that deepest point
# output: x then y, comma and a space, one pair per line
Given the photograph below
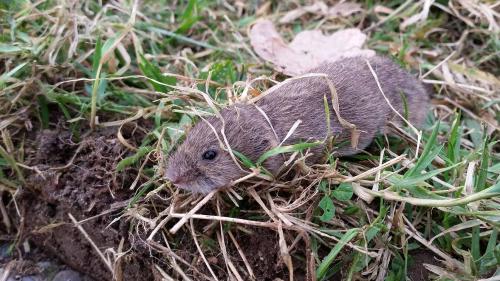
262, 144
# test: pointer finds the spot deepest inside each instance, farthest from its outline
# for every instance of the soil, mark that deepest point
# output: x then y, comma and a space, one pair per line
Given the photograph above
261, 249
262, 252
416, 270
89, 188
86, 188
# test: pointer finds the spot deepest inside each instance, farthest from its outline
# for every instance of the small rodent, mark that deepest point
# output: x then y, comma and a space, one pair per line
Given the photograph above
202, 163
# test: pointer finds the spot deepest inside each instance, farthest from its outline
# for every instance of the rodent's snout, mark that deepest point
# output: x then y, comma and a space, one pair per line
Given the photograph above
173, 179
172, 176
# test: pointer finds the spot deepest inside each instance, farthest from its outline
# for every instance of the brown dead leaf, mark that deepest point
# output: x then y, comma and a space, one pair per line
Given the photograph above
307, 50
379, 9
343, 9
254, 92
316, 8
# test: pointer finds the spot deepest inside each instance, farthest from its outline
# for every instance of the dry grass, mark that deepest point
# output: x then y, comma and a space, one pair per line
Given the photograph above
127, 62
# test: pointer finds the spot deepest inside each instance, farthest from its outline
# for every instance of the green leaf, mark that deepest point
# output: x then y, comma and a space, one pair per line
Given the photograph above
110, 43
178, 37
96, 58
373, 231
475, 132
414, 180
489, 192
488, 260
424, 161
4, 48
44, 111
326, 107
223, 72
494, 169
189, 17
143, 190
12, 163
406, 111
286, 149
176, 130
328, 260
475, 248
153, 72
101, 88
351, 210
428, 155
454, 140
343, 192
128, 161
480, 183
245, 160
11, 73
161, 106
326, 204
323, 186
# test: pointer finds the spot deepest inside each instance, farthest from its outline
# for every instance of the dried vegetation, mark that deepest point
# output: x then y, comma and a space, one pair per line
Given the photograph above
93, 98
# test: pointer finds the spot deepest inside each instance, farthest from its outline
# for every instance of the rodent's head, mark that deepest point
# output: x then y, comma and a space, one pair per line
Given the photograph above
201, 163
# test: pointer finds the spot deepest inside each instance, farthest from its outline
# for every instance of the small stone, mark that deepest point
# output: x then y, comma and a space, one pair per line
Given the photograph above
68, 275
44, 265
5, 251
31, 278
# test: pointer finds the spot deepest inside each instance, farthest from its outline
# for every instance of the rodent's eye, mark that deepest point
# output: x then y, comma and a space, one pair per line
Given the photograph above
209, 154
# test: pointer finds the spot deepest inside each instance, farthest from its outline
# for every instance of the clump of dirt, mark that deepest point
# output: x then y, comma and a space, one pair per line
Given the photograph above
416, 270
261, 249
79, 179
262, 252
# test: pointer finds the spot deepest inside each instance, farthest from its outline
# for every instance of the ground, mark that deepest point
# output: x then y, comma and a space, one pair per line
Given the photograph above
94, 96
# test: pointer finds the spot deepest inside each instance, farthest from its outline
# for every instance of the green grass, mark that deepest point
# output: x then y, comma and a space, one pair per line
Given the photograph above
152, 61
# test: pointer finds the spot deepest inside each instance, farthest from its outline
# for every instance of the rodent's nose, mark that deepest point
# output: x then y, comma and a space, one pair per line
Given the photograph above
175, 179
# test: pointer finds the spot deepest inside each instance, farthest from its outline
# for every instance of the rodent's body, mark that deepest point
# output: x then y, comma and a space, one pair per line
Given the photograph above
248, 131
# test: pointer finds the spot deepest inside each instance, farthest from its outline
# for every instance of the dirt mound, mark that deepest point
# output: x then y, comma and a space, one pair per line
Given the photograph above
79, 179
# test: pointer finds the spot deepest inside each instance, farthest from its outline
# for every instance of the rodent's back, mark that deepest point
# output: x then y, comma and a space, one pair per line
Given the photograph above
360, 101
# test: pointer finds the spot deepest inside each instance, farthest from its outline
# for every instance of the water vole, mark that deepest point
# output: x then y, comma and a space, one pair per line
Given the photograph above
202, 163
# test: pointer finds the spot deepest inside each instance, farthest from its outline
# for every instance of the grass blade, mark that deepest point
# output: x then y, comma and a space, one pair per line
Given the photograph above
12, 163
430, 151
490, 192
152, 71
480, 183
286, 149
454, 140
245, 160
128, 161
328, 260
416, 179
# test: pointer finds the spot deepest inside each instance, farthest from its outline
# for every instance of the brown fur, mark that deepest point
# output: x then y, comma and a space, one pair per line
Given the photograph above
248, 132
